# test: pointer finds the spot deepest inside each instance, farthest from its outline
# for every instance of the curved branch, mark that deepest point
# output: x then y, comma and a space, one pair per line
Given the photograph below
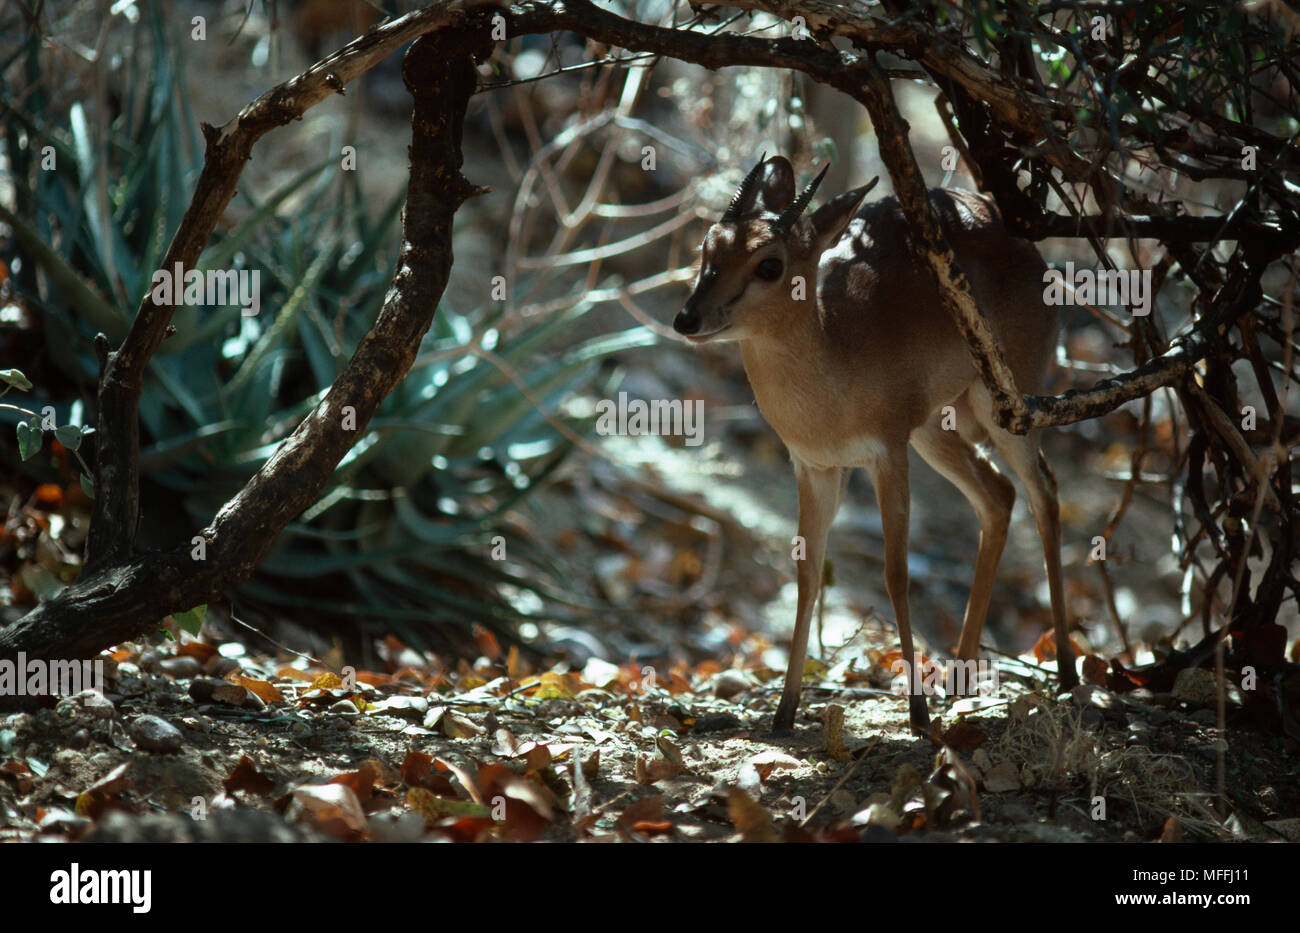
113, 603
116, 509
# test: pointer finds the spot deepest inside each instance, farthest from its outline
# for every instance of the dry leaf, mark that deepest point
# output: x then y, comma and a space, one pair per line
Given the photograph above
360, 781
649, 770
467, 782
417, 771
955, 784
265, 691
750, 819
247, 777
487, 643
964, 736
434, 808
332, 809
646, 810
506, 744
105, 794
1095, 670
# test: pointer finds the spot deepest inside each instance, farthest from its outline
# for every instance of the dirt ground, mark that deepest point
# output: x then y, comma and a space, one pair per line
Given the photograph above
277, 752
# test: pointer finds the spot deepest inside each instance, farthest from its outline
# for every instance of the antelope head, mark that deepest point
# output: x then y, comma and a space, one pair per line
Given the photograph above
750, 257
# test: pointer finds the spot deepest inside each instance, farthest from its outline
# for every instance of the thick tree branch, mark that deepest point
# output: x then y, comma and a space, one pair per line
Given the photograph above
1238, 297
117, 506
125, 598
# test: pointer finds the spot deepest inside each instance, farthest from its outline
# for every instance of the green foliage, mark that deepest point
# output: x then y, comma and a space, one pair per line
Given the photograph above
191, 620
402, 533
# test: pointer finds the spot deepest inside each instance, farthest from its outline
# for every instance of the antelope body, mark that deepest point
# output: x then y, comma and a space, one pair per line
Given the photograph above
851, 357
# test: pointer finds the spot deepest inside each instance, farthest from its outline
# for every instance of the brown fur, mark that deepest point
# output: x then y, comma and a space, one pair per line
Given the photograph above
867, 362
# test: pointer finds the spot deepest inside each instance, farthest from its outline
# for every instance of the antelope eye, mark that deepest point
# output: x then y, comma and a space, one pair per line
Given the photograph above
768, 270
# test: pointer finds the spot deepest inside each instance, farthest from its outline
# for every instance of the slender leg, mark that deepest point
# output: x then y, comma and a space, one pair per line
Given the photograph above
991, 495
819, 493
889, 476
1024, 457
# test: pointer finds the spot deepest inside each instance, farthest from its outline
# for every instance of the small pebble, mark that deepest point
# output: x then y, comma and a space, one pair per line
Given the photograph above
68, 759
220, 666
730, 683
1196, 685
155, 735
16, 721
96, 704
181, 667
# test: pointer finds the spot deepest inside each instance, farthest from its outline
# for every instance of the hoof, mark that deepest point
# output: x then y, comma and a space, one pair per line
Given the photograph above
918, 716
1068, 680
782, 723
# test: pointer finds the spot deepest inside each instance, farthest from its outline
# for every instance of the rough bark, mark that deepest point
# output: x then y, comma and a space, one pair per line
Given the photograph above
125, 595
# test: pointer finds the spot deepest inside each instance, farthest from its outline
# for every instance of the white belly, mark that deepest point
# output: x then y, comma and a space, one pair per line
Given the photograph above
847, 452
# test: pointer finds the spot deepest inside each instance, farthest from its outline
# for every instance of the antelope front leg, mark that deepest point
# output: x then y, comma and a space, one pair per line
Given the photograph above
889, 476
819, 493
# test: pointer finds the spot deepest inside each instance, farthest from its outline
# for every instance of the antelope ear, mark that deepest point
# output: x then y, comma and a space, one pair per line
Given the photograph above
776, 187
831, 219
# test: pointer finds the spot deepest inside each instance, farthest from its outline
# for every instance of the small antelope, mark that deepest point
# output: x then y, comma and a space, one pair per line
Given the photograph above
851, 357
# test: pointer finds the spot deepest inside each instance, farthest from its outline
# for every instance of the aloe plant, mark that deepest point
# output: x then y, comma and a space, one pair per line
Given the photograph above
403, 534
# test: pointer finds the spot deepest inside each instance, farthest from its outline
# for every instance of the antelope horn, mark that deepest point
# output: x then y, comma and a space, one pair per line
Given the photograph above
742, 193
799, 204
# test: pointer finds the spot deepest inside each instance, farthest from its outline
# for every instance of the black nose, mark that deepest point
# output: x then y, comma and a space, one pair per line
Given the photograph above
687, 321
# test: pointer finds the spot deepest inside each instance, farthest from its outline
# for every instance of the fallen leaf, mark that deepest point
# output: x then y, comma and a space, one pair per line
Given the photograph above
247, 777
327, 681
361, 781
649, 770
487, 643
105, 794
964, 736
955, 784
1095, 670
332, 809
434, 808
506, 744
647, 809
265, 691
462, 775
749, 819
